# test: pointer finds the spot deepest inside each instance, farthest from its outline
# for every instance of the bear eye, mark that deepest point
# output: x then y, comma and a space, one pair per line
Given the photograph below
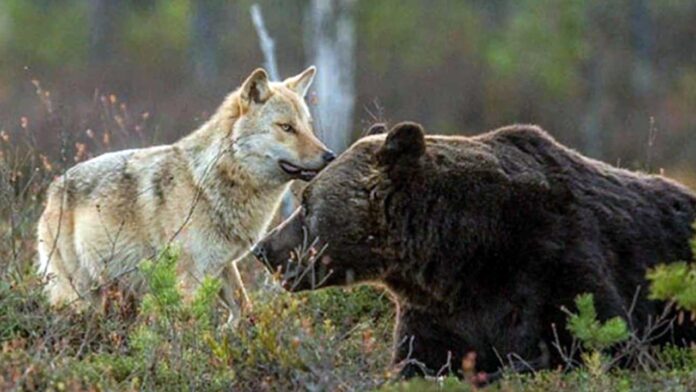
287, 128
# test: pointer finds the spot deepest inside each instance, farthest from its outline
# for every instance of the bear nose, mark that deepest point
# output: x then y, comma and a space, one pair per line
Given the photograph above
259, 251
328, 156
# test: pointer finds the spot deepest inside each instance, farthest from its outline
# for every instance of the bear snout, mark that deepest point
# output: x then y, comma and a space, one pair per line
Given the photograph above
275, 248
259, 251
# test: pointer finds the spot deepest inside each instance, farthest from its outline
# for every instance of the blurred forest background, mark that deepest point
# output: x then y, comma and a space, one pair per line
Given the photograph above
614, 79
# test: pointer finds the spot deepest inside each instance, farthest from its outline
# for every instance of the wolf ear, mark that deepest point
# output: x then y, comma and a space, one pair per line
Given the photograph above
405, 142
255, 88
376, 129
300, 83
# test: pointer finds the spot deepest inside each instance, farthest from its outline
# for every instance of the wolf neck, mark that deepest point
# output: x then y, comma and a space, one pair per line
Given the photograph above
211, 154
225, 182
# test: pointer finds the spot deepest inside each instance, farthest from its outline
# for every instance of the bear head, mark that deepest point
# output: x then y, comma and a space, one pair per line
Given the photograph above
396, 208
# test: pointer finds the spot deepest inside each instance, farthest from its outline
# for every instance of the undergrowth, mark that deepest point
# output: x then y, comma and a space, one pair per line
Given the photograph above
326, 340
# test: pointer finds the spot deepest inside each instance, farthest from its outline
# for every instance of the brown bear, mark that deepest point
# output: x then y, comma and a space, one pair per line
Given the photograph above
483, 239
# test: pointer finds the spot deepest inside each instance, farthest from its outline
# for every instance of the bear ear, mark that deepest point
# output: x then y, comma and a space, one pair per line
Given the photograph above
376, 129
405, 141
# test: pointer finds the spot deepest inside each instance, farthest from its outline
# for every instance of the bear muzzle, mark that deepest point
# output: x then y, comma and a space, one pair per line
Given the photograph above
293, 256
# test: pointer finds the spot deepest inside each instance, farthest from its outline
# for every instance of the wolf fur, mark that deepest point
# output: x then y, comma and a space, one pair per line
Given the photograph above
212, 194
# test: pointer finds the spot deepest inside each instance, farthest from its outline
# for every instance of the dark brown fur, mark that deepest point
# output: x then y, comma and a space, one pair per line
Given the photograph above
483, 240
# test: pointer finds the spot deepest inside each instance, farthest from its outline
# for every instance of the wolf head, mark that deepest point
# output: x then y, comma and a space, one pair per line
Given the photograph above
273, 135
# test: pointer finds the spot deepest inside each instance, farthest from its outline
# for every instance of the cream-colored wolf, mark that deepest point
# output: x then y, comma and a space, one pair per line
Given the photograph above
212, 194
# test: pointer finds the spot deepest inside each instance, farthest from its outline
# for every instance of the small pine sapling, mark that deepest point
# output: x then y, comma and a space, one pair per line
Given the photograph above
675, 282
594, 335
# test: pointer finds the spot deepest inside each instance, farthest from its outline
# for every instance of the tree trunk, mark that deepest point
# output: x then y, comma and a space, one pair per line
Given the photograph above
103, 22
643, 42
330, 45
591, 123
204, 40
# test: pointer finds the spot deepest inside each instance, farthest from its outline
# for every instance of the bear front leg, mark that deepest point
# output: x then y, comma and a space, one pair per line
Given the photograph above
423, 346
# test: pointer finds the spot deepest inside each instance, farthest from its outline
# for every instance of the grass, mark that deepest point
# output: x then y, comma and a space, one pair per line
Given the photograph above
337, 339
330, 340
326, 340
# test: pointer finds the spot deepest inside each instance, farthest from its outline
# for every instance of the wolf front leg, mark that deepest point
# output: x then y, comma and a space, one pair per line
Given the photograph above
234, 293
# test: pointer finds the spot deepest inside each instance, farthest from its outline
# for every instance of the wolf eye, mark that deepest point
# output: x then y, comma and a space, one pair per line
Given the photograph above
287, 128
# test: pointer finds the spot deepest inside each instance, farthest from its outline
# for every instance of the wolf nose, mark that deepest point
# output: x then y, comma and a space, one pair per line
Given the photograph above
328, 156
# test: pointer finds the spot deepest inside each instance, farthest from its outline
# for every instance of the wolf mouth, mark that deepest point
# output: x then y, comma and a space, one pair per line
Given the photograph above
297, 171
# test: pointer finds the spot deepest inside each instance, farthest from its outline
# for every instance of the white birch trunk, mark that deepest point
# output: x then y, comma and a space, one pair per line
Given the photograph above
330, 45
